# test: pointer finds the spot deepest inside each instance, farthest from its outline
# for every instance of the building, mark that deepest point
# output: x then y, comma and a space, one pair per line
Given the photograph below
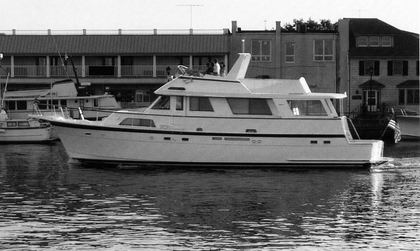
128, 64
378, 66
280, 53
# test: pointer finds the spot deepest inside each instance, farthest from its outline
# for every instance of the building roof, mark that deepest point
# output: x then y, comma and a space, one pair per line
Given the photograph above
405, 44
112, 44
409, 84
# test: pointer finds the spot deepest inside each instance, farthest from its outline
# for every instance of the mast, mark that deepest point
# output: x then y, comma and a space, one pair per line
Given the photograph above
78, 85
5, 85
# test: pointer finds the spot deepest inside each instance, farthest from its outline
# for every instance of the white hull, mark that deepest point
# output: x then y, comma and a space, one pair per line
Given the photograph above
410, 126
19, 135
114, 145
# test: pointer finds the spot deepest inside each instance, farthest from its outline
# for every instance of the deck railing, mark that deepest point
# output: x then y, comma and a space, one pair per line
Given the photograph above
92, 71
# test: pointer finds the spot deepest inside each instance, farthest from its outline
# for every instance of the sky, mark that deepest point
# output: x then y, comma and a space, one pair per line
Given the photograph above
206, 14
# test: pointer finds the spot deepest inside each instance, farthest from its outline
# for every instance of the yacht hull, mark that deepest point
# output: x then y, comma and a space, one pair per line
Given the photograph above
93, 143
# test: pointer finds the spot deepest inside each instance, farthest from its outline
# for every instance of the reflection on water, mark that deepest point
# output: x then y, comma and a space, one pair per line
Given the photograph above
46, 203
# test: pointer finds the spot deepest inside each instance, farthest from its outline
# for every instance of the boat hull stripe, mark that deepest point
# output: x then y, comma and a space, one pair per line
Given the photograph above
351, 164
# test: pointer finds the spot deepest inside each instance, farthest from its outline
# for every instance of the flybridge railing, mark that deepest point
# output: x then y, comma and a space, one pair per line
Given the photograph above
118, 32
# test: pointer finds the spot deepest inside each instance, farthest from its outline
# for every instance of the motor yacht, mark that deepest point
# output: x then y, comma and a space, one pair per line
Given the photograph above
206, 120
63, 94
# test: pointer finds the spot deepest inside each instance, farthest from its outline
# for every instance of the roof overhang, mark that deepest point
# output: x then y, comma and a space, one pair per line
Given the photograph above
371, 84
409, 84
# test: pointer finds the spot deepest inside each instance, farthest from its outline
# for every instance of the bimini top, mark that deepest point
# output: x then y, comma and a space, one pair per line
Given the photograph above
234, 84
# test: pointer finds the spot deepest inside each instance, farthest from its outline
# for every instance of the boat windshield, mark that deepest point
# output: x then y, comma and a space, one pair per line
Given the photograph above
186, 71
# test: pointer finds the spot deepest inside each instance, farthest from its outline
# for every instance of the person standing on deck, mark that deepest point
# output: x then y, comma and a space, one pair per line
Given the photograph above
216, 68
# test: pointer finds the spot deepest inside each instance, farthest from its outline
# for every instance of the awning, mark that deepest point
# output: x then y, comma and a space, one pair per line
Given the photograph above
371, 84
409, 84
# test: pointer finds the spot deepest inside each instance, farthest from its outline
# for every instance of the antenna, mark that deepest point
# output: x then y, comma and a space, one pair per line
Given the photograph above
191, 11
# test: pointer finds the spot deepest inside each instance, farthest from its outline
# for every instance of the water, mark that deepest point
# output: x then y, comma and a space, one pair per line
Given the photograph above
48, 204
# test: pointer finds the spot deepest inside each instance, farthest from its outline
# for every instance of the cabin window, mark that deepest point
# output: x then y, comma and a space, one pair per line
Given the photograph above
163, 103
179, 100
200, 104
95, 102
11, 124
307, 108
249, 106
11, 105
43, 104
21, 105
23, 123
138, 122
55, 103
63, 103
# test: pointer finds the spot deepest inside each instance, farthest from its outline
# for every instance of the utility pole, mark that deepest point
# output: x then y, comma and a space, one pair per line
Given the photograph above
191, 11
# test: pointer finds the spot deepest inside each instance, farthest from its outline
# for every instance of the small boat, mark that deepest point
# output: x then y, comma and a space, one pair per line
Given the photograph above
409, 123
23, 130
227, 120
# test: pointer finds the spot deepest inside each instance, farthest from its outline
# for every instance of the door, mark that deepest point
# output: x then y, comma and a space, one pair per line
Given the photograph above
371, 99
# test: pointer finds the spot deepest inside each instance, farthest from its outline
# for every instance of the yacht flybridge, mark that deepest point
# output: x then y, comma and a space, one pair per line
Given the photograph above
228, 121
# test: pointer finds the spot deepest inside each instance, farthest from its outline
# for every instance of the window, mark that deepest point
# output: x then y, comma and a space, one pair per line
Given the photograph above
43, 104
179, 100
373, 41
417, 68
323, 50
11, 105
386, 41
63, 103
249, 106
21, 104
412, 96
163, 103
401, 97
200, 104
408, 97
367, 67
290, 52
397, 67
138, 122
307, 108
261, 50
11, 124
23, 124
362, 41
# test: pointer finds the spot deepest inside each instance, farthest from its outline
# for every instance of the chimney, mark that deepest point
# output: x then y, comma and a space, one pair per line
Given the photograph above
278, 27
234, 27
